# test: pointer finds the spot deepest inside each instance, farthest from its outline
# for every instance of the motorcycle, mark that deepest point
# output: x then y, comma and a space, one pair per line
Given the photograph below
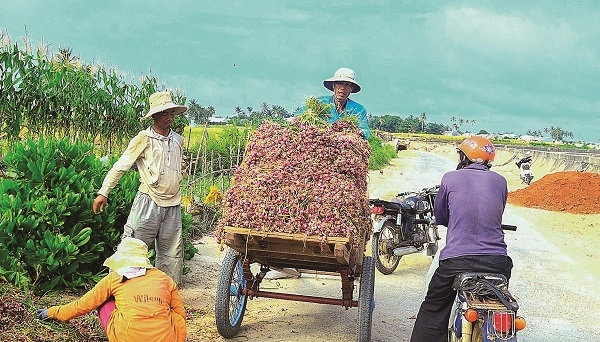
403, 226
525, 173
484, 309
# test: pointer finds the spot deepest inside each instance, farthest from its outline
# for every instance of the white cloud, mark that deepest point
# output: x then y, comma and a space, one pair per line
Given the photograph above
516, 37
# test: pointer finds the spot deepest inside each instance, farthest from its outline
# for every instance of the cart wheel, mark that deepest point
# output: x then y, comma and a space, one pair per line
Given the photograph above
230, 304
366, 301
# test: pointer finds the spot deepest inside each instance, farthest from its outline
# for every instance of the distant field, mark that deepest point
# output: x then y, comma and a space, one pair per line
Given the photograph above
193, 135
508, 142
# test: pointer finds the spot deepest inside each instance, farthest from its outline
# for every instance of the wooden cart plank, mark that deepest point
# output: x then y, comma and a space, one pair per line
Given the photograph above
295, 250
286, 236
342, 254
278, 254
285, 249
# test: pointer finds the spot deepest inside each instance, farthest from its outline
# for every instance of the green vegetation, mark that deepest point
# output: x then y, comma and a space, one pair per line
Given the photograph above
496, 140
46, 94
57, 115
213, 154
381, 154
198, 114
556, 133
49, 237
417, 125
17, 317
316, 113
410, 124
228, 142
254, 117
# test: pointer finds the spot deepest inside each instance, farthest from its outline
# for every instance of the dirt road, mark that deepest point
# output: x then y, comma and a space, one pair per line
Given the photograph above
556, 276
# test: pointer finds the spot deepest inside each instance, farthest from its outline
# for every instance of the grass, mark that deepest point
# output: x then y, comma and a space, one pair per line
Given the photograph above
194, 135
381, 154
19, 323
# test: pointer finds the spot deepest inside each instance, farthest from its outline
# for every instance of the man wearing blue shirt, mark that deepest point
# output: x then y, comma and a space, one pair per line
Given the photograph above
342, 84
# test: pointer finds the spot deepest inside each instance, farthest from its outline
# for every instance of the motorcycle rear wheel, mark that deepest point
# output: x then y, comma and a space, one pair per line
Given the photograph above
432, 248
385, 261
476, 333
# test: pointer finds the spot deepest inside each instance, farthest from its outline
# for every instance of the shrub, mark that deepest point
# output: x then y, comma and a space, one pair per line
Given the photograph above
380, 154
49, 236
46, 223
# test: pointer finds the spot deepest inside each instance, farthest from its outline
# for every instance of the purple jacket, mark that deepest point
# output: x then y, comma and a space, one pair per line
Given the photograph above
470, 202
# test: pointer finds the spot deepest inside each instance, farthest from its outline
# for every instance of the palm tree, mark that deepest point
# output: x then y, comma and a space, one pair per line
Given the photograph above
422, 118
558, 134
239, 113
453, 121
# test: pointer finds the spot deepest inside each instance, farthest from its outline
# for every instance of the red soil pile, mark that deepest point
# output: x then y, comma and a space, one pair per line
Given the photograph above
570, 191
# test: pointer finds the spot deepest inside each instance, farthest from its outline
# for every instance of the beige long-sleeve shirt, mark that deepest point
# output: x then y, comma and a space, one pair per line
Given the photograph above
158, 159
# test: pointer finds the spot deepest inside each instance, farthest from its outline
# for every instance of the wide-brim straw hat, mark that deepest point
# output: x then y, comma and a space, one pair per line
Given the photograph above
161, 101
343, 75
131, 252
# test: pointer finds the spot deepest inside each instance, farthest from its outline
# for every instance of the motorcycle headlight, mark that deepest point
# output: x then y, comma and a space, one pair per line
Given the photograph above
418, 204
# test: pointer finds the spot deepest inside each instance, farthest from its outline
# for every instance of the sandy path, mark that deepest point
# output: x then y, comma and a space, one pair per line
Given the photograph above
555, 278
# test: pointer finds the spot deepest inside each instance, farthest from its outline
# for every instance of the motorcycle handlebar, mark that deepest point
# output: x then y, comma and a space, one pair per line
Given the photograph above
509, 227
503, 226
421, 221
424, 191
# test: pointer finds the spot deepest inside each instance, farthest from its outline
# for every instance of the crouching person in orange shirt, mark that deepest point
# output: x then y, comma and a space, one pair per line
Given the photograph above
135, 301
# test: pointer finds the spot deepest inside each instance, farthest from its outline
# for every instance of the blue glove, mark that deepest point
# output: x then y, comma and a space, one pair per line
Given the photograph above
42, 313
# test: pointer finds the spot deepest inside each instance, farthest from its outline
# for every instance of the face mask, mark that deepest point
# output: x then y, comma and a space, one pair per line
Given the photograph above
464, 161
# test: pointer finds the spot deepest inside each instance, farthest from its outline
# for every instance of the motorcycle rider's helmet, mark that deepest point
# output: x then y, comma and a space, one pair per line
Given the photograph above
476, 149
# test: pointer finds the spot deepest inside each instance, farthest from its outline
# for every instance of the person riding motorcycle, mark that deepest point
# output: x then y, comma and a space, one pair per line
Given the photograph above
524, 166
525, 160
470, 203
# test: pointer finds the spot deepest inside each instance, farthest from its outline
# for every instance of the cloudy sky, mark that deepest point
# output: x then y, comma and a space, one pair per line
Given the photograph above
511, 66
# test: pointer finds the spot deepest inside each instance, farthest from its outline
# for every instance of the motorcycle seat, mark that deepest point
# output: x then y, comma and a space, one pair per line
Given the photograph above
387, 205
392, 206
484, 286
462, 278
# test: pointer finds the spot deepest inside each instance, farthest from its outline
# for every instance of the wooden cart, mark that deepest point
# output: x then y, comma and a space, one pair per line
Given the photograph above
236, 282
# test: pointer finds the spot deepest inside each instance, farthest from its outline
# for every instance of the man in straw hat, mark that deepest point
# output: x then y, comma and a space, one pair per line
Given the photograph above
135, 301
155, 215
342, 84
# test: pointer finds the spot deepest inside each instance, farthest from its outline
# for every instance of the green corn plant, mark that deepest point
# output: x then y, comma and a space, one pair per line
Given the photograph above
57, 95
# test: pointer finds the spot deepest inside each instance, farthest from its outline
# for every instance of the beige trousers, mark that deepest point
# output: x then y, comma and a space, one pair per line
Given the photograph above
160, 227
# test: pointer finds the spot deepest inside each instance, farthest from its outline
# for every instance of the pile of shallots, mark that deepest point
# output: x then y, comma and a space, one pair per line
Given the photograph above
302, 179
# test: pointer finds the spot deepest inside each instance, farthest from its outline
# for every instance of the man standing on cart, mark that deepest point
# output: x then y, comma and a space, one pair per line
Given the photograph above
342, 84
